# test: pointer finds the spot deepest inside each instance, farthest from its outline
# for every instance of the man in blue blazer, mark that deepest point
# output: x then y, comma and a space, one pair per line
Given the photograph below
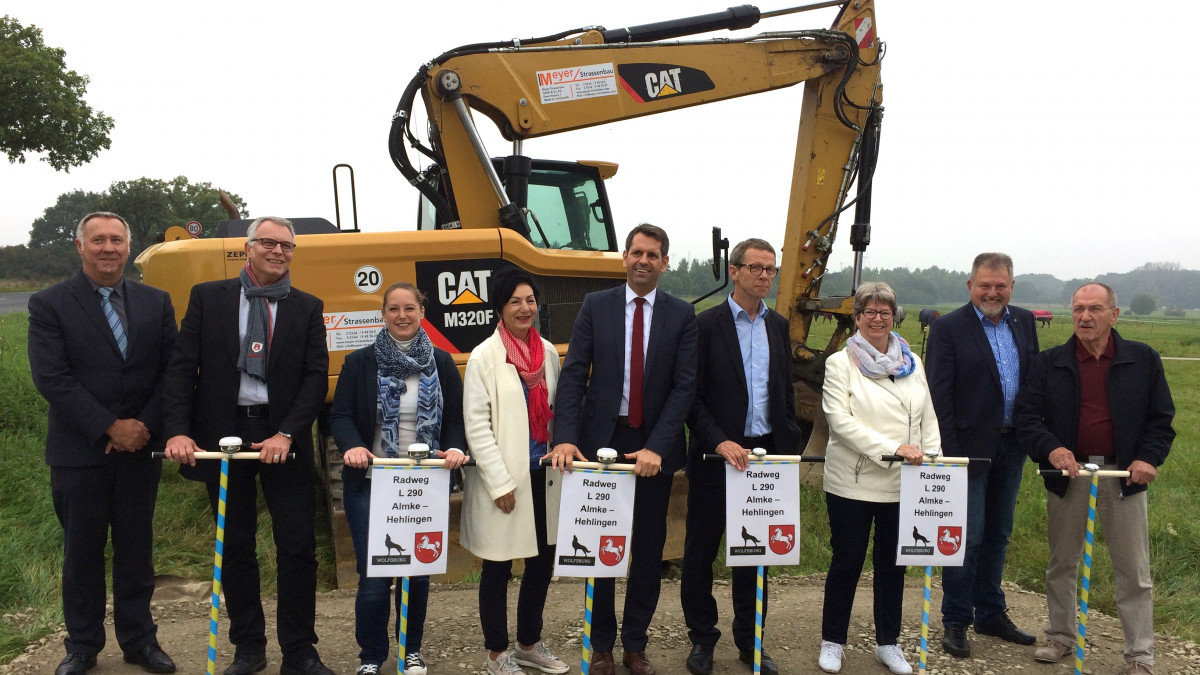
978, 357
251, 361
644, 423
98, 347
744, 399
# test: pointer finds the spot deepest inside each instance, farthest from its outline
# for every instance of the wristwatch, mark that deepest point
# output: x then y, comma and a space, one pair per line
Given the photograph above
285, 435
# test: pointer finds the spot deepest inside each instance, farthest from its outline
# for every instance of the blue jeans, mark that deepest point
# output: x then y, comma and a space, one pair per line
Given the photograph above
372, 605
972, 592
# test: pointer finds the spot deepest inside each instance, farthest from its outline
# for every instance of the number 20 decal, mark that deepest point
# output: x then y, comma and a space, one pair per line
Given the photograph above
368, 279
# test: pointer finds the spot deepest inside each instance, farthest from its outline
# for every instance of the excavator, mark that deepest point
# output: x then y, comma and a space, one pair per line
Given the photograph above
551, 217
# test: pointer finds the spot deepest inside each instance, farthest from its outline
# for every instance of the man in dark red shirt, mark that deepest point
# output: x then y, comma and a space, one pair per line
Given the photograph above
1064, 417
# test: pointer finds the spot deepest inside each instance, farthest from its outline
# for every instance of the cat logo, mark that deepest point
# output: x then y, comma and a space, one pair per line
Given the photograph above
468, 287
645, 82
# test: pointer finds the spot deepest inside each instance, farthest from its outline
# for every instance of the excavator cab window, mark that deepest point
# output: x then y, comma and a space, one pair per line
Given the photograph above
570, 204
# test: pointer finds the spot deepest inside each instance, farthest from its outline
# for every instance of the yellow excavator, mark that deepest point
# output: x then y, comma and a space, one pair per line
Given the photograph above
553, 218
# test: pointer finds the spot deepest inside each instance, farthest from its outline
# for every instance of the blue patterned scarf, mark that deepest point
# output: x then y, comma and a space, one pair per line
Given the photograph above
394, 366
897, 362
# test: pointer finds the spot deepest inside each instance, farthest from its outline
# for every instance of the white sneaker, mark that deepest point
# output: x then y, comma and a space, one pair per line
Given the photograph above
539, 657
503, 665
368, 669
831, 657
415, 665
893, 657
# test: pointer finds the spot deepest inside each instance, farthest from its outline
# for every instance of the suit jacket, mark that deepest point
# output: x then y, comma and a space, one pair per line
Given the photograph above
722, 400
586, 410
355, 412
1138, 396
965, 382
78, 368
200, 394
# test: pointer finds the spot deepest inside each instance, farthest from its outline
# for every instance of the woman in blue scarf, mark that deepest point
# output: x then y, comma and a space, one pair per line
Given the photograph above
398, 391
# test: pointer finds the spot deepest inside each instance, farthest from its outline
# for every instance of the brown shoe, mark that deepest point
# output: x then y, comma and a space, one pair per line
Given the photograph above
638, 663
602, 664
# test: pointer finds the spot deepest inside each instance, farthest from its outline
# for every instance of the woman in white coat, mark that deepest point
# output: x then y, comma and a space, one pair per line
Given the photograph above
877, 403
510, 502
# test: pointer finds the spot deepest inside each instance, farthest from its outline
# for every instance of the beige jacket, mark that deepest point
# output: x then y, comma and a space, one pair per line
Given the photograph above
497, 425
871, 418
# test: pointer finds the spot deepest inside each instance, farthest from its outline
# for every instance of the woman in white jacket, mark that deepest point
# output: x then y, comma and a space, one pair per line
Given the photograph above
510, 502
877, 403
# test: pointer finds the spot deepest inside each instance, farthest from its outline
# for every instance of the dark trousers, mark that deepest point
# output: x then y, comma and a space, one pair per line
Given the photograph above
89, 501
651, 499
849, 530
705, 526
972, 592
374, 598
289, 490
535, 582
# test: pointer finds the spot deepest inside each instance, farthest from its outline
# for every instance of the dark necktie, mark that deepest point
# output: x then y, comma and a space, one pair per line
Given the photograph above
114, 321
636, 357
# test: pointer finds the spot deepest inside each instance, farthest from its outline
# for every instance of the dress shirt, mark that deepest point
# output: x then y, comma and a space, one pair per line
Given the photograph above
250, 390
647, 317
1008, 359
1095, 435
756, 363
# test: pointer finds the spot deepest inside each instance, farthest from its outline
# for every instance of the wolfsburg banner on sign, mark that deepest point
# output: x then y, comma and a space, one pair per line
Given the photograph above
410, 511
762, 514
595, 518
933, 515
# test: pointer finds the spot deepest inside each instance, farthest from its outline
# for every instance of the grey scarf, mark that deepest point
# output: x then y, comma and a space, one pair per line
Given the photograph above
256, 344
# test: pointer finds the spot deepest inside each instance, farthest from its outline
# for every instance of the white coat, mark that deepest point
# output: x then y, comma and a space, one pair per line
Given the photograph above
869, 418
497, 425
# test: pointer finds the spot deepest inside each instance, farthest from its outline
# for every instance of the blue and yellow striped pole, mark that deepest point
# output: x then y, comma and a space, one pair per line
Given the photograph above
587, 626
218, 555
758, 622
1087, 571
925, 617
403, 619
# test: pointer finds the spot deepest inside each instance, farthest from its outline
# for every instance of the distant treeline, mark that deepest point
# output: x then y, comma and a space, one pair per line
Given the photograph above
1168, 283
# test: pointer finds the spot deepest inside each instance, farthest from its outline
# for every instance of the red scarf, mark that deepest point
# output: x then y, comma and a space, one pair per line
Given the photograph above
529, 358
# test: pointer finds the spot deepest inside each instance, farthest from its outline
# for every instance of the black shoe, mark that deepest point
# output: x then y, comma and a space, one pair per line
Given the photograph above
954, 642
765, 663
1002, 627
310, 666
700, 661
245, 664
76, 664
152, 659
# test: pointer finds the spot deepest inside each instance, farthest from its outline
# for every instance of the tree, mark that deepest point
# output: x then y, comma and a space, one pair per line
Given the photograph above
41, 102
57, 223
1143, 304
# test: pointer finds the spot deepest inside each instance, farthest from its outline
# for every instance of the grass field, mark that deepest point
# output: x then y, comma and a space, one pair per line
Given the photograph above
31, 557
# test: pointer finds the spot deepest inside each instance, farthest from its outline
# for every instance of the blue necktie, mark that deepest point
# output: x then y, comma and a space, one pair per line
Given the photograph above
114, 321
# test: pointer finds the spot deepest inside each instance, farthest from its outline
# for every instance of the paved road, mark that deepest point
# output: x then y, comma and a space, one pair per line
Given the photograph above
14, 302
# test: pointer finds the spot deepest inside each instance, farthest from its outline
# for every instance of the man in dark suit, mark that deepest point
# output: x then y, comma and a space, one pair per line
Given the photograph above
978, 357
744, 399
98, 347
252, 362
658, 349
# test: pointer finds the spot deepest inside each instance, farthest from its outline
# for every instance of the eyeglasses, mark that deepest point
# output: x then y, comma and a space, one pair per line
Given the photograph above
756, 270
270, 244
1078, 310
886, 314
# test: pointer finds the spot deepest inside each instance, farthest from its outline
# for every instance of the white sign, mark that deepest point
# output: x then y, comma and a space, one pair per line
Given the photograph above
410, 514
595, 518
762, 514
368, 278
933, 515
580, 82
347, 331
194, 228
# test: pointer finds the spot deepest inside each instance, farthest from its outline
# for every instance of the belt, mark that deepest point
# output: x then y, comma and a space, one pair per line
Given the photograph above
260, 410
1004, 431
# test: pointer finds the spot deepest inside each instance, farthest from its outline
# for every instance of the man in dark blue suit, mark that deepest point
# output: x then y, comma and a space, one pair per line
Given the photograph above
978, 357
658, 349
98, 347
744, 399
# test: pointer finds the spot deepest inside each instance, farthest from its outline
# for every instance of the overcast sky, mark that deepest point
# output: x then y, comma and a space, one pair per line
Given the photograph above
1061, 133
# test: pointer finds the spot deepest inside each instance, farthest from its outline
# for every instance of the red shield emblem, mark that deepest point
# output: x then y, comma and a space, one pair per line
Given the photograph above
612, 550
782, 538
949, 539
428, 546
256, 347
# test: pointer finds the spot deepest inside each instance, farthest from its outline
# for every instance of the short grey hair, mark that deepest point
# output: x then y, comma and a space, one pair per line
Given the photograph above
252, 231
1112, 295
874, 291
739, 251
101, 214
992, 261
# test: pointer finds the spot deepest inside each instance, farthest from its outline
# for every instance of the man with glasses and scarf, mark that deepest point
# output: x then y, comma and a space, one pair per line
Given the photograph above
251, 361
